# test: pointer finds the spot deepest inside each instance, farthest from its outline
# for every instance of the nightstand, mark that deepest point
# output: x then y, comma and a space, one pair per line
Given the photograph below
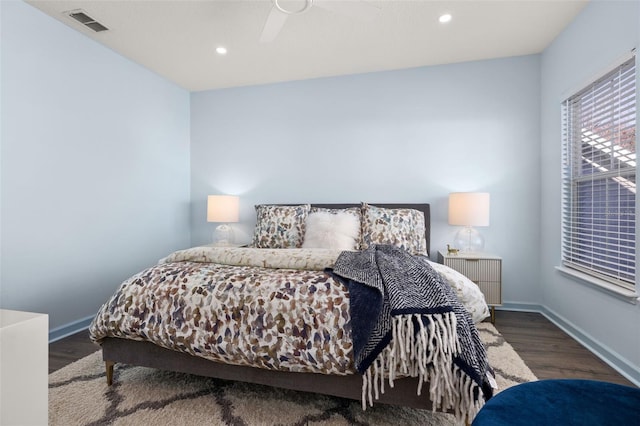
484, 269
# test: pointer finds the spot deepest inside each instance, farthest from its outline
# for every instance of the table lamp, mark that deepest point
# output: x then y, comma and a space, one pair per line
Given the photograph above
469, 209
224, 209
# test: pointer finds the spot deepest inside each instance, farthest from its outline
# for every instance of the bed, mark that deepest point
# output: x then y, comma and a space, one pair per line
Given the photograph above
147, 325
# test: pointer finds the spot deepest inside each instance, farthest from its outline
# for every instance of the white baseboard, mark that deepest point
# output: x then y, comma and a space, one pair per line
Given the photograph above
609, 356
69, 329
519, 307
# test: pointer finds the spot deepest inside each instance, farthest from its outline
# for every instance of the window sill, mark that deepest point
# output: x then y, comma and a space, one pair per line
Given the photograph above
629, 296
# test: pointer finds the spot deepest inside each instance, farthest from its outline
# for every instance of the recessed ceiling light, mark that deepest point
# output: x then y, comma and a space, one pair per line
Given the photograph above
444, 18
221, 50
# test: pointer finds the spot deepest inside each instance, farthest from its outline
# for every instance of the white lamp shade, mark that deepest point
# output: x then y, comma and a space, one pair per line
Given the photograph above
469, 208
223, 208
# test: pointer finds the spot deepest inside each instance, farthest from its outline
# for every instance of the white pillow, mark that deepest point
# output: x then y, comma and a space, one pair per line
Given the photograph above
468, 292
332, 231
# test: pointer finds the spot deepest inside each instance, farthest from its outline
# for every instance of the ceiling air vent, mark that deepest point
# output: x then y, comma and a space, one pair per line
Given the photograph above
86, 20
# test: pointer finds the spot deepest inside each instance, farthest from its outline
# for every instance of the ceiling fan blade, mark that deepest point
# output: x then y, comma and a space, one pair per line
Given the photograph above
273, 25
354, 9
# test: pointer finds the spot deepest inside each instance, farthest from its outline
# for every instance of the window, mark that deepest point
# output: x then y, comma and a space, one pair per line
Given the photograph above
599, 178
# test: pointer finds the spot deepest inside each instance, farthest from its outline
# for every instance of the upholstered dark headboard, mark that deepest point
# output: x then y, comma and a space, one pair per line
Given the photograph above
424, 208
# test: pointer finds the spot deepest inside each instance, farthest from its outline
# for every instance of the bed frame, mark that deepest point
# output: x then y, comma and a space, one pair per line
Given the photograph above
132, 352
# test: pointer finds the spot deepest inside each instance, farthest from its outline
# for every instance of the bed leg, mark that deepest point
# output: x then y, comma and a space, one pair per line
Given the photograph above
109, 367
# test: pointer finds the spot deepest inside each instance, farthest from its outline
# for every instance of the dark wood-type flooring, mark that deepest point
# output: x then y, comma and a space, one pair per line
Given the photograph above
547, 350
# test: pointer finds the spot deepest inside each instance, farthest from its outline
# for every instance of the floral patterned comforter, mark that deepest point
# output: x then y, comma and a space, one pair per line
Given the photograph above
273, 309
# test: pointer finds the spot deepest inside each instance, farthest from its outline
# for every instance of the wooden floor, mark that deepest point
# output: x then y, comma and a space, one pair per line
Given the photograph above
550, 352
69, 349
547, 350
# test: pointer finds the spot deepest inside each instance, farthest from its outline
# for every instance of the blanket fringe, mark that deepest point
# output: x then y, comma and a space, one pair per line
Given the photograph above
427, 353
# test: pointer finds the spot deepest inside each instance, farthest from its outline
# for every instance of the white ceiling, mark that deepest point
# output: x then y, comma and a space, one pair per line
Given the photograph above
177, 39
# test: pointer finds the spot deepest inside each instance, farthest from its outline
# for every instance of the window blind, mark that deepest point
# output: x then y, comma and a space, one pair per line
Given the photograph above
599, 178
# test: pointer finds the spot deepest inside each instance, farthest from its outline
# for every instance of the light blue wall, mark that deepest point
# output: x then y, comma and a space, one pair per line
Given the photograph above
95, 161
590, 46
95, 167
401, 136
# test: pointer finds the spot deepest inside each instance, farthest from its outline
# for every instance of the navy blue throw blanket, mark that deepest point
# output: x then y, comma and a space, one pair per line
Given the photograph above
407, 321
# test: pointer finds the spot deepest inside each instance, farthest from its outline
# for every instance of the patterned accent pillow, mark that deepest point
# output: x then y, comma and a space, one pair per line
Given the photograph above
403, 228
354, 211
279, 226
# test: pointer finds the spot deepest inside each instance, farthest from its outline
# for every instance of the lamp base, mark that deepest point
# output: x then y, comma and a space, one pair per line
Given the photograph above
468, 239
223, 236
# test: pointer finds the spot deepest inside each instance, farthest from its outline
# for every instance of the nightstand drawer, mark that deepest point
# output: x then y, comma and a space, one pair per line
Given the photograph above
484, 269
476, 269
492, 292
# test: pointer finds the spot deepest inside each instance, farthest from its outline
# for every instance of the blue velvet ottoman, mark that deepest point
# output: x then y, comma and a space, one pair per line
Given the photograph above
563, 402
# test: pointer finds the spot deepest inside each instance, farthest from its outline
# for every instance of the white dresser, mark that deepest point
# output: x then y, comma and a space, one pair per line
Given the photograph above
24, 368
